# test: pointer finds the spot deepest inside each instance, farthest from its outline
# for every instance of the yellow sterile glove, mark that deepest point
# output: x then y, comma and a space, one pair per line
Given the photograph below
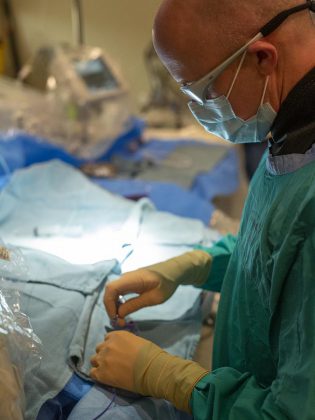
156, 283
129, 362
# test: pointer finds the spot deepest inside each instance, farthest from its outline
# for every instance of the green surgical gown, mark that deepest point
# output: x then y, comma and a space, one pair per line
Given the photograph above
264, 349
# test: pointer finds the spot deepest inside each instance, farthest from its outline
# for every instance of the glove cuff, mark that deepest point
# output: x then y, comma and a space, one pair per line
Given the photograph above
161, 375
191, 268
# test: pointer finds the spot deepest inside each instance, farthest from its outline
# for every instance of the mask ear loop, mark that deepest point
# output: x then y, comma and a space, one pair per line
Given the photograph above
264, 91
236, 74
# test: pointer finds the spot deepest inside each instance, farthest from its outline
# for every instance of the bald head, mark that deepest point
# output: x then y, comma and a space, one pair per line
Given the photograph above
180, 27
191, 36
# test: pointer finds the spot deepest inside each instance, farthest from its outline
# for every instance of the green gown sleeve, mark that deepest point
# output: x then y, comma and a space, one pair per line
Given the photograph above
221, 253
229, 394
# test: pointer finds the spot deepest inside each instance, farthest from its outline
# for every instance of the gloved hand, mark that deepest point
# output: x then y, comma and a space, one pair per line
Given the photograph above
129, 362
156, 283
115, 359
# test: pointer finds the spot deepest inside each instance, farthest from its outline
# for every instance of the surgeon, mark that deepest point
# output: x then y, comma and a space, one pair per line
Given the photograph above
248, 68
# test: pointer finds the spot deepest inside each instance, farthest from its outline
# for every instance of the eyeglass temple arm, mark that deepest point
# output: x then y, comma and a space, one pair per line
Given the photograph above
281, 17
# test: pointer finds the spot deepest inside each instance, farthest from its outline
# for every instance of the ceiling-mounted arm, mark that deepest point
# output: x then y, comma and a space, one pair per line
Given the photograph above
77, 22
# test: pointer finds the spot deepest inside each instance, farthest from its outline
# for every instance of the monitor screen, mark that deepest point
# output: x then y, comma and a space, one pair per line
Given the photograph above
96, 74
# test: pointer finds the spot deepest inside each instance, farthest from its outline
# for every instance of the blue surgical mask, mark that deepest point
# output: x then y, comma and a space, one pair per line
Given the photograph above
217, 117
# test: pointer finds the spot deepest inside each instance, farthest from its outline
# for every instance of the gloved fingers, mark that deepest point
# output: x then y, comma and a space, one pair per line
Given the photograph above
138, 281
121, 323
129, 283
139, 302
94, 361
111, 299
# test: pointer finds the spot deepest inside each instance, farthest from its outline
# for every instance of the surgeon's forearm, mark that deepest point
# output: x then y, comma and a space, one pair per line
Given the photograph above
221, 253
161, 375
191, 268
